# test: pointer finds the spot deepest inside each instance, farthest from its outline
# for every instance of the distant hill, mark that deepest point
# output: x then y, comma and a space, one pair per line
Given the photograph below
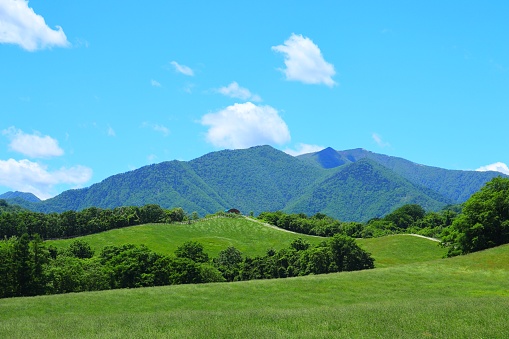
20, 195
354, 185
454, 185
363, 190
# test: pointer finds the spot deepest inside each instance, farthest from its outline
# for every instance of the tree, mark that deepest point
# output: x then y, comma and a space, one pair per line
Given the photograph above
80, 249
347, 255
228, 262
484, 222
192, 250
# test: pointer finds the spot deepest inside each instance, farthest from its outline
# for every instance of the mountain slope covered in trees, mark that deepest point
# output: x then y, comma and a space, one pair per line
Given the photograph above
353, 185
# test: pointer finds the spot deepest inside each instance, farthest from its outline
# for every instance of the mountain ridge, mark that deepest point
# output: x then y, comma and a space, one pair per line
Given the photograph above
352, 185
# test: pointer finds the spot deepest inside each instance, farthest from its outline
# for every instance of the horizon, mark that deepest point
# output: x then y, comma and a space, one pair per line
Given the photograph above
426, 82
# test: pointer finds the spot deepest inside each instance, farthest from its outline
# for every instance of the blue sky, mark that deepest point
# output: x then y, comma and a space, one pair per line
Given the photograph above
89, 89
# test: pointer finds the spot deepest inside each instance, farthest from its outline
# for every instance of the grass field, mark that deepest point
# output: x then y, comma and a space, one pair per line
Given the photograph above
215, 234
462, 297
252, 238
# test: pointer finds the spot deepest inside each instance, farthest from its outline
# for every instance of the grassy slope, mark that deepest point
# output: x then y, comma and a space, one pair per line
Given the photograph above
252, 238
215, 234
463, 297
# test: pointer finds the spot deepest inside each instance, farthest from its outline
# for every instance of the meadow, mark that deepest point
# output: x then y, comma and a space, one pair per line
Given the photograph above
412, 293
461, 297
251, 238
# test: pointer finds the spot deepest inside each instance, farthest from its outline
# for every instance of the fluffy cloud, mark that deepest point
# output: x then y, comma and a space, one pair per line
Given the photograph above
20, 25
245, 125
233, 90
27, 176
378, 139
155, 83
304, 61
498, 167
304, 149
32, 145
182, 69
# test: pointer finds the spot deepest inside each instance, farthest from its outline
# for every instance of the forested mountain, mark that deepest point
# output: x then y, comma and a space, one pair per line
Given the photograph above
20, 195
363, 190
353, 185
454, 185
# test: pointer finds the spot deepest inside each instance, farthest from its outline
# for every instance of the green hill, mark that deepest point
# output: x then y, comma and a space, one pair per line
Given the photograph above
341, 184
251, 238
461, 297
363, 190
453, 185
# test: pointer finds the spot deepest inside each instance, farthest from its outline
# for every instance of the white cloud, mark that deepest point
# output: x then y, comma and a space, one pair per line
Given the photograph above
155, 83
111, 132
498, 167
27, 176
32, 145
245, 125
182, 69
380, 142
304, 149
156, 127
304, 61
233, 90
20, 25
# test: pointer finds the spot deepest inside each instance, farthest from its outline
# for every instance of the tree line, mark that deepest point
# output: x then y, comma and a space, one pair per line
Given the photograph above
28, 267
481, 222
16, 222
410, 218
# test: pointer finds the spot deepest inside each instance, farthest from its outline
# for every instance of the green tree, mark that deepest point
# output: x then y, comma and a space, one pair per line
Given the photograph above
80, 249
484, 222
192, 250
228, 262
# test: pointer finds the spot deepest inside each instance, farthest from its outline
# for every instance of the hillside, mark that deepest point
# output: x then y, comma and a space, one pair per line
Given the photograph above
363, 190
462, 297
453, 185
354, 185
252, 238
19, 196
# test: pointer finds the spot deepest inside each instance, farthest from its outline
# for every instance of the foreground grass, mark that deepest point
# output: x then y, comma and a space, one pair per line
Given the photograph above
463, 297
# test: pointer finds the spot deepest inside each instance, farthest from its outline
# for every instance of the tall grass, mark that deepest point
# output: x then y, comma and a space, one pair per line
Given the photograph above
463, 297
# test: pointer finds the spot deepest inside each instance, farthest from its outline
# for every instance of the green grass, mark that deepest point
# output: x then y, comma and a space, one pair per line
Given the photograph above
401, 249
216, 234
252, 238
462, 297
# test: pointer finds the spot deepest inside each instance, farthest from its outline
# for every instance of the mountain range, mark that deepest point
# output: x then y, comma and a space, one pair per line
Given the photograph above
350, 185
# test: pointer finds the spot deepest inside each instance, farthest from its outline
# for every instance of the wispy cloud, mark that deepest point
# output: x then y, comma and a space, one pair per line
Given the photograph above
304, 61
233, 90
157, 127
155, 83
303, 149
27, 176
379, 141
111, 132
244, 125
182, 69
498, 167
20, 25
32, 145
